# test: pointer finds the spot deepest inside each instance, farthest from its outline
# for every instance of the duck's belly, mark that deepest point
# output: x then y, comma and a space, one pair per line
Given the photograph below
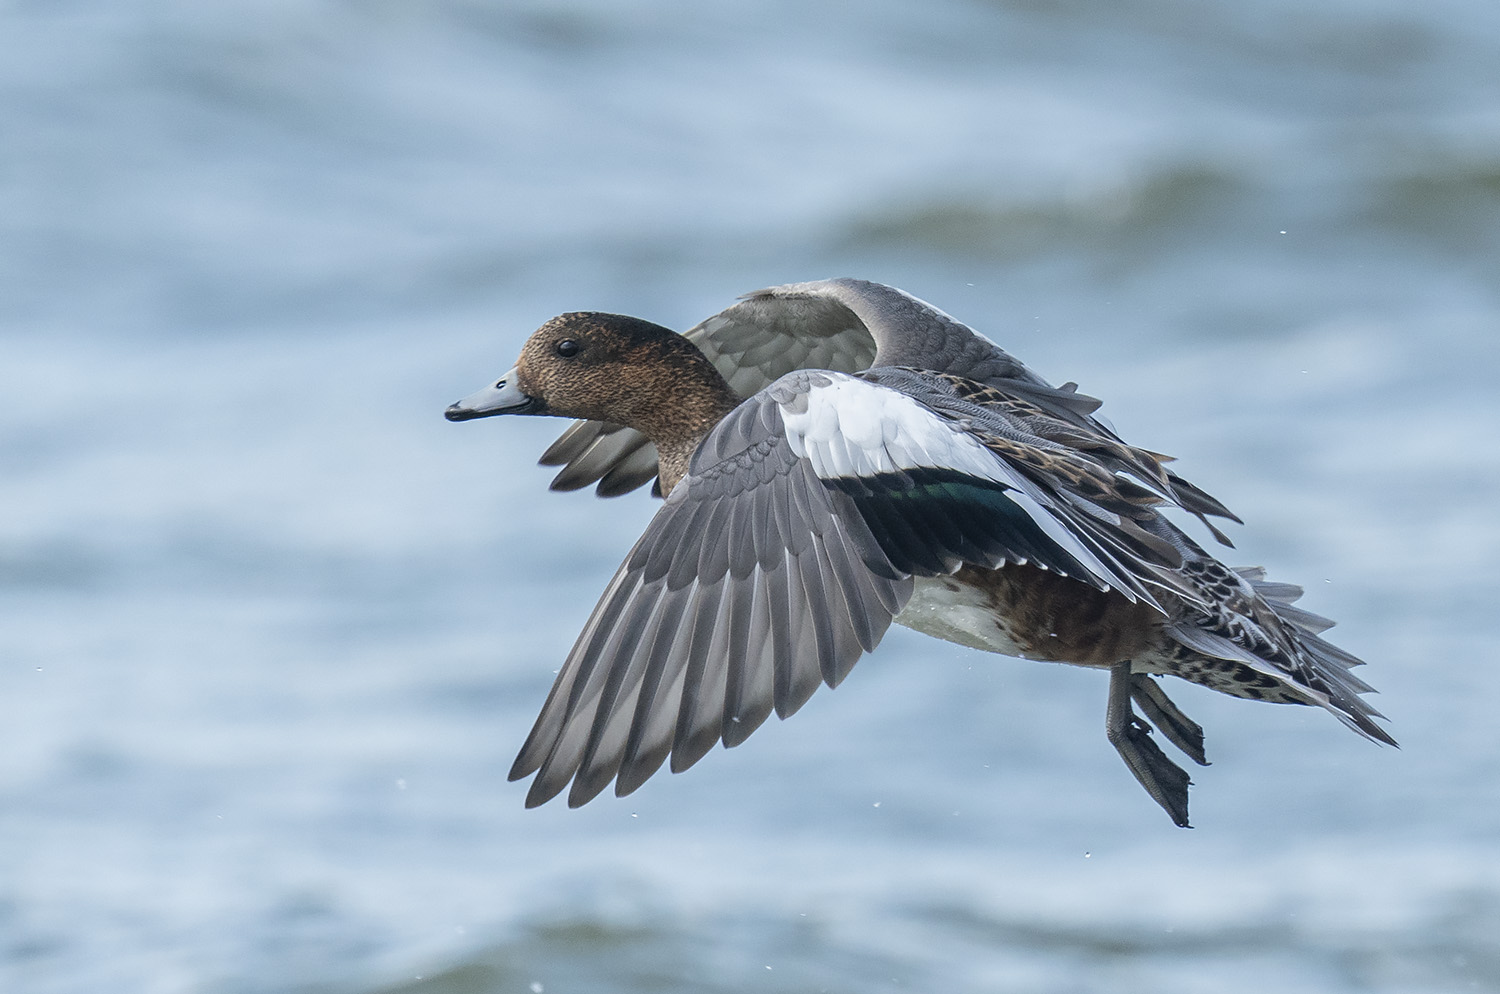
1031, 613
942, 607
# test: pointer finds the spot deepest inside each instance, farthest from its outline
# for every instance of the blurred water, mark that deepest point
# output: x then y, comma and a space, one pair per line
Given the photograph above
270, 630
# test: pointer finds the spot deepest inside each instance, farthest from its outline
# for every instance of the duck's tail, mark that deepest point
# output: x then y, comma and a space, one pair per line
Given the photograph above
1250, 640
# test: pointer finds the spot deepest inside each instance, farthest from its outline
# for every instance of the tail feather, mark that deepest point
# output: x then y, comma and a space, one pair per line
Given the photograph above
1258, 627
1309, 623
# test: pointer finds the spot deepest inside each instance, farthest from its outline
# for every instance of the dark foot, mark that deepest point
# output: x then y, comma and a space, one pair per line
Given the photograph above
1164, 780
1182, 731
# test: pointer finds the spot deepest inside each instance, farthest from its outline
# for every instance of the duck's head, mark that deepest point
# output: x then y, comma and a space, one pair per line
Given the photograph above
607, 367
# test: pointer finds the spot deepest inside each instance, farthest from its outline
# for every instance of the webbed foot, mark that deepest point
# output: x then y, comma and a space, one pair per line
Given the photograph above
1182, 731
1164, 780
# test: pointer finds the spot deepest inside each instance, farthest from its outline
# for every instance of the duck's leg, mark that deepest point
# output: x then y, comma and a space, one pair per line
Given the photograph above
1164, 780
1182, 731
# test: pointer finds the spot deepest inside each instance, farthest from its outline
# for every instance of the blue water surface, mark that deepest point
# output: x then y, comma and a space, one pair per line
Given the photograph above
271, 630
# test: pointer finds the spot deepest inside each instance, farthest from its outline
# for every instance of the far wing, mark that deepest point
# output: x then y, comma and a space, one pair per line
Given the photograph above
752, 344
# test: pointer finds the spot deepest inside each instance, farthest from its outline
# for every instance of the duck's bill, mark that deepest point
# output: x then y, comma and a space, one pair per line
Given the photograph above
500, 397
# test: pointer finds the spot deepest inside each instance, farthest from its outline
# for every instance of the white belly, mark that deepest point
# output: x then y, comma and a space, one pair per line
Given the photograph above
946, 609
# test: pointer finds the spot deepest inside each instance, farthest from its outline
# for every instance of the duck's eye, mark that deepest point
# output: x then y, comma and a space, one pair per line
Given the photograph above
567, 348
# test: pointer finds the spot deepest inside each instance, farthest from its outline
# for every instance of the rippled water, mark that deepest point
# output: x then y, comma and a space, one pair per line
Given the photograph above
271, 630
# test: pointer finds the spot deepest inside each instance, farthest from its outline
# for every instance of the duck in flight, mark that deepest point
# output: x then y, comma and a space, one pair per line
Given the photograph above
838, 455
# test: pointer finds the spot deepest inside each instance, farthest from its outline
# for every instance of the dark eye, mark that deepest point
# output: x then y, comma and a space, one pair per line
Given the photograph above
567, 348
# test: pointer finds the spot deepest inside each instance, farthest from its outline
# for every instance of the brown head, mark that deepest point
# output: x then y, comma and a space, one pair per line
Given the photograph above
611, 367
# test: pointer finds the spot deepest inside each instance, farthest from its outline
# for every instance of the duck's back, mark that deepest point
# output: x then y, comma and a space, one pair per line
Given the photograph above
844, 325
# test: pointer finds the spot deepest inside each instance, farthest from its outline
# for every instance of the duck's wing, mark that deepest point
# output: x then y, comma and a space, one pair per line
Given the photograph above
773, 565
751, 344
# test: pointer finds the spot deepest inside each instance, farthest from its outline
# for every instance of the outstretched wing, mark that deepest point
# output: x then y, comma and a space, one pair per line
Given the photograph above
753, 584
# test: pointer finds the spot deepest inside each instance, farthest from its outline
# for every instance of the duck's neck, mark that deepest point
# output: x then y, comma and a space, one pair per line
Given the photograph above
692, 408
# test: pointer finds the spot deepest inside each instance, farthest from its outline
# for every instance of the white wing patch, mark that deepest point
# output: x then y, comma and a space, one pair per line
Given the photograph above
851, 428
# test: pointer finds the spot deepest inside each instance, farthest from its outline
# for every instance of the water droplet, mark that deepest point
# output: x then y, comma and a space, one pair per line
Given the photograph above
401, 784
877, 804
536, 987
1283, 232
